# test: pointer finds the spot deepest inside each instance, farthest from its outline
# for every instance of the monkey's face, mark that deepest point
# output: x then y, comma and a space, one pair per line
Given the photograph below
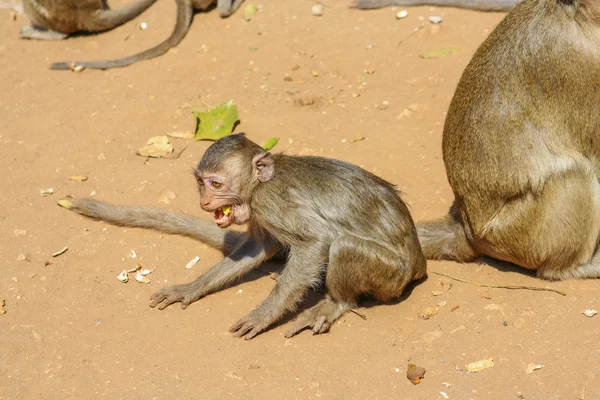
221, 196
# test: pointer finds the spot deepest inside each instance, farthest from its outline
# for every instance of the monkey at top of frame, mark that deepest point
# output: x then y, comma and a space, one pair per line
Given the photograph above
339, 226
57, 19
521, 148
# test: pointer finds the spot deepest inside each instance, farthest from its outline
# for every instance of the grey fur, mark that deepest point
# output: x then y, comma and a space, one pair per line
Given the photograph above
479, 5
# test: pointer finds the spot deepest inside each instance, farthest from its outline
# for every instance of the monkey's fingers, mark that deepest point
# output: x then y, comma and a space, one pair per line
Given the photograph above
308, 320
167, 296
248, 327
321, 325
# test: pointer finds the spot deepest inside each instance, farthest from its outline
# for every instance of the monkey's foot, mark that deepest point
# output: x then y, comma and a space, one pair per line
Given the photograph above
184, 294
318, 318
32, 32
251, 325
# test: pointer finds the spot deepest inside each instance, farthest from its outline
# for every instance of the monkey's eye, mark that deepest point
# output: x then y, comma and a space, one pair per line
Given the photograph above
200, 182
216, 185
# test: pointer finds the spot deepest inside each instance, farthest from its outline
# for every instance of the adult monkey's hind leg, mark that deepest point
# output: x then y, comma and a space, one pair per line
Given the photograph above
40, 33
553, 231
357, 266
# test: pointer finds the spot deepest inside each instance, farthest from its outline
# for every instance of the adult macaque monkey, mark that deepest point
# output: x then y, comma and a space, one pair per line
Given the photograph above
478, 5
57, 19
185, 12
521, 145
337, 223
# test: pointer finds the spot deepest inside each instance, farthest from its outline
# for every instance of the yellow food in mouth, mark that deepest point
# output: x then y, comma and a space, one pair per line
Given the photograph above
226, 210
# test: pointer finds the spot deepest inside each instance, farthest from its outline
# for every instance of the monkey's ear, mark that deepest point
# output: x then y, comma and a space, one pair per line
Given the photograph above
264, 167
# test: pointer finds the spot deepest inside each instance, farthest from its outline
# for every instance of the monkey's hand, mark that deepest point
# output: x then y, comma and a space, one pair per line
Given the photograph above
185, 294
252, 324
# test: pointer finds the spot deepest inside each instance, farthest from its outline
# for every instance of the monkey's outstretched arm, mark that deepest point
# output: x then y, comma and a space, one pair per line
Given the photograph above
244, 258
302, 272
157, 219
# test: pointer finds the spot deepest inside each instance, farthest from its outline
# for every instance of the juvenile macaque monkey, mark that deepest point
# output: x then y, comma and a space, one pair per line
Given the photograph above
185, 12
57, 19
521, 145
479, 5
337, 223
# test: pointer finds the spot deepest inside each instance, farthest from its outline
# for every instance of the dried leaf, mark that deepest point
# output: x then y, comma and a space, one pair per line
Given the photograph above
480, 365
216, 123
156, 147
80, 178
428, 313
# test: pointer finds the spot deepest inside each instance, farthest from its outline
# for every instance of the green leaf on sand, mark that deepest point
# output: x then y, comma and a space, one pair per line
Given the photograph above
249, 12
216, 123
269, 144
440, 53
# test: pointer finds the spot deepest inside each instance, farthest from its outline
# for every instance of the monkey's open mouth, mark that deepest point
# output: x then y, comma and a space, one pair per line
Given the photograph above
224, 215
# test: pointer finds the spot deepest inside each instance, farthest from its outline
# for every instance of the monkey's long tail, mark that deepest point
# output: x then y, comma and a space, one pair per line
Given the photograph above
158, 219
185, 11
445, 239
479, 5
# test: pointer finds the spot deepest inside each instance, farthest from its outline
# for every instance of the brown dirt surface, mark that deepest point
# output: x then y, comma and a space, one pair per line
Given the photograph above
73, 331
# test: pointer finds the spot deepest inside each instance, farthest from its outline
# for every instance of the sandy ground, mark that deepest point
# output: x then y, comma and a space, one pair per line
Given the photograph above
73, 331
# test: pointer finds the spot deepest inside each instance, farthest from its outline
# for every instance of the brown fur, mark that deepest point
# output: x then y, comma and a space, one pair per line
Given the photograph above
56, 19
185, 12
521, 147
337, 224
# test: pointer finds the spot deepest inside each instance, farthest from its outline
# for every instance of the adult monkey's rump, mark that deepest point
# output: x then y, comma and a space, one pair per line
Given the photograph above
521, 145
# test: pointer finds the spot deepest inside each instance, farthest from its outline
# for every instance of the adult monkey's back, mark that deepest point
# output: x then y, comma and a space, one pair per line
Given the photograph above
521, 145
185, 12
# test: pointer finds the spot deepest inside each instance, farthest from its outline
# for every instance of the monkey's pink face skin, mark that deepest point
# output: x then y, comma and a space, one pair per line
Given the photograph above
216, 197
232, 214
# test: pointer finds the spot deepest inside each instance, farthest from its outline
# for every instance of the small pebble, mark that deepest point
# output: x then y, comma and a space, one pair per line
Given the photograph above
402, 14
435, 19
505, 323
97, 321
143, 26
317, 10
369, 47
